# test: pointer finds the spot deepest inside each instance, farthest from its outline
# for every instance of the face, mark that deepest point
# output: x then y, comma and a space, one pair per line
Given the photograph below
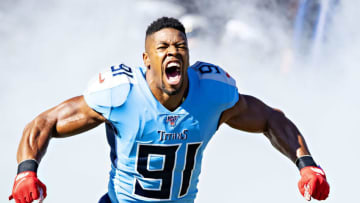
167, 59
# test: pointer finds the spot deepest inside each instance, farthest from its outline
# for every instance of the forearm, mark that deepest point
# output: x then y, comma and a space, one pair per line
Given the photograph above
35, 138
284, 136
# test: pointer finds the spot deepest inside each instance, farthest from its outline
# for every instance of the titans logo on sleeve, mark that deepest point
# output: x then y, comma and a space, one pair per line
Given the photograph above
156, 153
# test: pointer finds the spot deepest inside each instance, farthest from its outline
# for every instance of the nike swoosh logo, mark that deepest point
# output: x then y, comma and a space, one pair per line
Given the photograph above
101, 80
317, 170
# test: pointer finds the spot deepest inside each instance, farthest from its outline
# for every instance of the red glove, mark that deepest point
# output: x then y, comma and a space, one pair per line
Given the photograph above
27, 188
313, 183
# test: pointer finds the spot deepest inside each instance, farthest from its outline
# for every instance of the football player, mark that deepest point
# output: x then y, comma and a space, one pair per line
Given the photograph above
159, 119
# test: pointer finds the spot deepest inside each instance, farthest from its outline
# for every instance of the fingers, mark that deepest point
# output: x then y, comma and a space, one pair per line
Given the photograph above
24, 200
34, 194
27, 188
305, 188
324, 190
28, 198
324, 194
43, 189
19, 200
307, 193
314, 188
39, 192
313, 183
319, 188
301, 187
16, 199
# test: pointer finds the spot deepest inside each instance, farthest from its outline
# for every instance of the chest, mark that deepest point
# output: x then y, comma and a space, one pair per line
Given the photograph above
148, 125
143, 119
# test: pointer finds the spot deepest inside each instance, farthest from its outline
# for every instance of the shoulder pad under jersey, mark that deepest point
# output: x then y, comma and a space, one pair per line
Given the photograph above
111, 87
212, 72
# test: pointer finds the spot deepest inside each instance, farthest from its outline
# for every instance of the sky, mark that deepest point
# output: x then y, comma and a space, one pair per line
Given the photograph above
49, 50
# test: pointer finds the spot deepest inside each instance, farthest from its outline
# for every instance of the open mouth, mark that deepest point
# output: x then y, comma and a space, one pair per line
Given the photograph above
173, 73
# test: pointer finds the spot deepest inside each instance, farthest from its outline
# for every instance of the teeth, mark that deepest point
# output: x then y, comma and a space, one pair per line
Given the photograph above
173, 64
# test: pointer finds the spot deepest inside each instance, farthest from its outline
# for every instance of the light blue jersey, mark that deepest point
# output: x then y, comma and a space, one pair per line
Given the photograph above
156, 153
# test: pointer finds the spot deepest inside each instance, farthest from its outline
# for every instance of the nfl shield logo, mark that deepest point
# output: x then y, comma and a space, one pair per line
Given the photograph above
172, 119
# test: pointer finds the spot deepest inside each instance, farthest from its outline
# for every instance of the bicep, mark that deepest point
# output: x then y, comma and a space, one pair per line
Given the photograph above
68, 118
75, 116
248, 114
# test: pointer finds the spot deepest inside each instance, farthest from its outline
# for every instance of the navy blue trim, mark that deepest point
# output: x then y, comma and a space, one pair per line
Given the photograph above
28, 165
110, 136
305, 161
105, 199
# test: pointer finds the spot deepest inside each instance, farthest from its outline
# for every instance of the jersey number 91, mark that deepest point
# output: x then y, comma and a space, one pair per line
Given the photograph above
165, 174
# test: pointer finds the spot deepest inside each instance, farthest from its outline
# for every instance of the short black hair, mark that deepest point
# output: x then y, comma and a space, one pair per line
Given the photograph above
165, 22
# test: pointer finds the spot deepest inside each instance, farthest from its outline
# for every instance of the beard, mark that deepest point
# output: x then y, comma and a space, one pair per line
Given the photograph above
173, 91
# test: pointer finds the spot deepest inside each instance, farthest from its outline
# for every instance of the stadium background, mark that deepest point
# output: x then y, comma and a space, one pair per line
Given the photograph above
50, 49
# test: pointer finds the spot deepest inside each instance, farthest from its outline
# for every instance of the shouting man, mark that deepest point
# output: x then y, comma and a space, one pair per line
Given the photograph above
159, 119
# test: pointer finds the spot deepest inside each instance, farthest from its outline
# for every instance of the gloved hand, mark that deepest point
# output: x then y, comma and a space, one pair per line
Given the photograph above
27, 188
313, 183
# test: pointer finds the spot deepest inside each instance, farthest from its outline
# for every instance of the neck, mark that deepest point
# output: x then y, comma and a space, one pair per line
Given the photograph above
171, 102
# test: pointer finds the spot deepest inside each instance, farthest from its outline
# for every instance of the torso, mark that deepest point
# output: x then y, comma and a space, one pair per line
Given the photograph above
156, 153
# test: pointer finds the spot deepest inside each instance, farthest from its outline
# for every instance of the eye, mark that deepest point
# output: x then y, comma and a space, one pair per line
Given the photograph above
182, 46
162, 46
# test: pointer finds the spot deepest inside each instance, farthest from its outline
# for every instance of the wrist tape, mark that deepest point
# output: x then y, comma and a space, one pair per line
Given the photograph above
304, 161
28, 165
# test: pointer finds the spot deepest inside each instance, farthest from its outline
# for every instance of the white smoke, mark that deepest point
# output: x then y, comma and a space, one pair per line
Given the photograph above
50, 49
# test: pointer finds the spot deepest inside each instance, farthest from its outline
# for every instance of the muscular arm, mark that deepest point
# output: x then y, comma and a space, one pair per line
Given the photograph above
252, 115
66, 119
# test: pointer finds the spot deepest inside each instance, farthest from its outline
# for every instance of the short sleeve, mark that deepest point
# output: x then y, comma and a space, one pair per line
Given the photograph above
106, 91
233, 97
218, 84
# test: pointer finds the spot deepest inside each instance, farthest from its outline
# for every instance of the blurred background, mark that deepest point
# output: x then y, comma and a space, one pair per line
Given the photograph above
301, 56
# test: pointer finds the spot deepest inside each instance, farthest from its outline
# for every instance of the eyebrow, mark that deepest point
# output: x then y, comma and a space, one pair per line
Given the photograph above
164, 42
182, 43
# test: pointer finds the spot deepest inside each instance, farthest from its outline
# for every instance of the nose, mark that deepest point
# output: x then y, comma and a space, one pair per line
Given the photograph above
172, 50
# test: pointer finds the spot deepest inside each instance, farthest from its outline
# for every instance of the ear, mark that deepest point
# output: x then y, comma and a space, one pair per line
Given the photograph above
146, 60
